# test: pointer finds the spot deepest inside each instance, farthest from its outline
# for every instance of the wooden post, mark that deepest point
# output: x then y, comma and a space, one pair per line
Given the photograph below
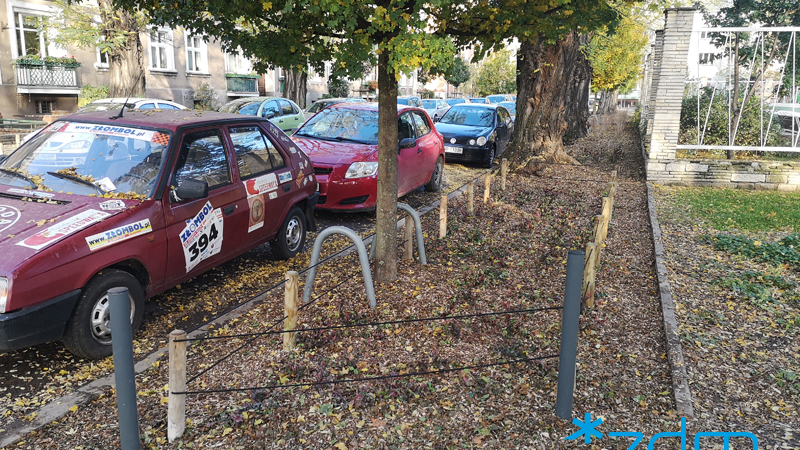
471, 198
487, 184
176, 410
290, 310
589, 271
16, 139
503, 174
443, 217
598, 238
606, 216
409, 239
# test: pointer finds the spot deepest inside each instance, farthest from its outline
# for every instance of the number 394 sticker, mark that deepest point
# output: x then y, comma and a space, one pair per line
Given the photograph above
202, 237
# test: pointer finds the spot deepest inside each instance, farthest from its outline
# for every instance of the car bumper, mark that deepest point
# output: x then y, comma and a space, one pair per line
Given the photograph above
468, 154
337, 193
37, 324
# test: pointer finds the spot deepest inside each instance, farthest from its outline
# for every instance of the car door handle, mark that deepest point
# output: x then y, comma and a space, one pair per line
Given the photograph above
228, 210
419, 151
287, 187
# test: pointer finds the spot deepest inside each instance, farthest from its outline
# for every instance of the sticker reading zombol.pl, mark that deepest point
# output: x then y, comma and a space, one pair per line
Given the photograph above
109, 130
202, 237
63, 229
118, 234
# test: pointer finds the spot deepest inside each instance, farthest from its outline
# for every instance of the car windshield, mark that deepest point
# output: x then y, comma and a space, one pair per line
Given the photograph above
342, 124
455, 101
477, 100
429, 104
102, 107
402, 101
88, 159
510, 106
469, 116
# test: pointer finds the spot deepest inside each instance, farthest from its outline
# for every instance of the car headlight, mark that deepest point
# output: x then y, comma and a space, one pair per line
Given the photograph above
481, 141
3, 294
472, 142
361, 169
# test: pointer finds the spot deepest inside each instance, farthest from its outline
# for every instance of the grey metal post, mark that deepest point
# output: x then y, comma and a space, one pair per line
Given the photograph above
569, 334
124, 375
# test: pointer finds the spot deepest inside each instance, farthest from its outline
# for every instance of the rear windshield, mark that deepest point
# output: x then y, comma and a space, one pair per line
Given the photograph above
89, 159
469, 115
342, 124
429, 104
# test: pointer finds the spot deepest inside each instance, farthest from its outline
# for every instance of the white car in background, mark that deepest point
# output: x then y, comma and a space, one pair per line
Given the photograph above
109, 104
435, 107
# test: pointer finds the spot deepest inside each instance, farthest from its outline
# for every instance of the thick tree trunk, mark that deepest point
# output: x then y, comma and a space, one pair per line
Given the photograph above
552, 99
608, 102
295, 86
125, 63
386, 214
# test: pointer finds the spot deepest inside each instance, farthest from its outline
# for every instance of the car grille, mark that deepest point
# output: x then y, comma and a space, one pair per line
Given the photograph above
322, 170
354, 200
322, 200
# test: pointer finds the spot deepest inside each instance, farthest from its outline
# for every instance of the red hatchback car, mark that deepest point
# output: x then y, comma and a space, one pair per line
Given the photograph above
342, 142
145, 201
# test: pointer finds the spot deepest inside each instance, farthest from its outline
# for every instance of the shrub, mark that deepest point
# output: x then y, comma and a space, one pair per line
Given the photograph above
205, 97
91, 93
338, 87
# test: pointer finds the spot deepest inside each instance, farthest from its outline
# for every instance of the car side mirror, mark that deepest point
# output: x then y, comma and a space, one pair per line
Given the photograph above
269, 115
189, 189
502, 125
407, 143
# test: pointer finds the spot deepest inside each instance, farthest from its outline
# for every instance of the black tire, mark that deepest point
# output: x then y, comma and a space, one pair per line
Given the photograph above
490, 157
291, 236
435, 183
88, 334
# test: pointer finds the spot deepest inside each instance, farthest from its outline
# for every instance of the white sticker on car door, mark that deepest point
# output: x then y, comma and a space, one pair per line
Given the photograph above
202, 237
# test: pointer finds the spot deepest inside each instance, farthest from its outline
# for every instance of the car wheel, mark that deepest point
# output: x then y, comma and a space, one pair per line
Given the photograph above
489, 157
435, 183
88, 333
291, 236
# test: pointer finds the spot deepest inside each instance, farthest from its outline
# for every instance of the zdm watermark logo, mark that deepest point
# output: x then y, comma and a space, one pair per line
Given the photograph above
587, 429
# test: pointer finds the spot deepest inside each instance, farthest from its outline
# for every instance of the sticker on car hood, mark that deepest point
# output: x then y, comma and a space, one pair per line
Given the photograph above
202, 237
112, 205
63, 229
9, 215
118, 234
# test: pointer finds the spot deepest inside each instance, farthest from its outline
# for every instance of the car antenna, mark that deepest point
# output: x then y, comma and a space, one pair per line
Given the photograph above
130, 91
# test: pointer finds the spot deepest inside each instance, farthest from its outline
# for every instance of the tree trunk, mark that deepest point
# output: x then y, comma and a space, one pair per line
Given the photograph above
578, 106
549, 84
608, 102
295, 86
386, 214
125, 63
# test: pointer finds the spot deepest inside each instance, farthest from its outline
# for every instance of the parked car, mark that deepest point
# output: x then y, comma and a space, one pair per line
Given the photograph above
497, 98
475, 133
143, 202
410, 100
512, 109
323, 102
281, 111
110, 104
456, 101
342, 142
435, 108
478, 100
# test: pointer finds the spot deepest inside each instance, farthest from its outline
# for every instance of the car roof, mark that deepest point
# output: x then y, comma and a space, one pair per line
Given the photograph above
246, 100
169, 120
372, 106
476, 105
130, 100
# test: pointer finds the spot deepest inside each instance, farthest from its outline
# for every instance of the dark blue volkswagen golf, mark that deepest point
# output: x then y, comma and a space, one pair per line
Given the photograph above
475, 132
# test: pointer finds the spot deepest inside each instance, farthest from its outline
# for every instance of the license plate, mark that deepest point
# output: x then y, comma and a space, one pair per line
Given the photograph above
449, 149
47, 156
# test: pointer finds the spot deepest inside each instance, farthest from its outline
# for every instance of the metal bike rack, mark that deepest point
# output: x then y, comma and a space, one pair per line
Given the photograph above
362, 257
418, 230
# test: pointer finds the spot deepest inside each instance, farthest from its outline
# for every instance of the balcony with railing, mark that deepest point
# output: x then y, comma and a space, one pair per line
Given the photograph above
242, 85
47, 76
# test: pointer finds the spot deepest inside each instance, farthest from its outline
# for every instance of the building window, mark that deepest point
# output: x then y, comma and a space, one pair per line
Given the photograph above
31, 39
236, 63
706, 58
703, 34
45, 106
161, 54
102, 60
196, 54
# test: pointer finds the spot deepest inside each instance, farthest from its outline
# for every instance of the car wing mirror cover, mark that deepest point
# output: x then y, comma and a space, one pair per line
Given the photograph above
189, 189
407, 143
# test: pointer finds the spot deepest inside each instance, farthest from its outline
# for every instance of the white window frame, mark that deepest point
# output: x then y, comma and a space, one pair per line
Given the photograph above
243, 64
14, 8
201, 51
167, 47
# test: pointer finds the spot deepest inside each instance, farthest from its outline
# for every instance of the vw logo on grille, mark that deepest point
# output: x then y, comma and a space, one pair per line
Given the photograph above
452, 140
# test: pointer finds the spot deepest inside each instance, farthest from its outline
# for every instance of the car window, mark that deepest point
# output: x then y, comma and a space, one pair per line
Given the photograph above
250, 109
441, 104
402, 101
203, 157
166, 106
315, 107
429, 104
503, 116
287, 108
271, 107
146, 106
405, 127
255, 152
342, 124
423, 127
469, 115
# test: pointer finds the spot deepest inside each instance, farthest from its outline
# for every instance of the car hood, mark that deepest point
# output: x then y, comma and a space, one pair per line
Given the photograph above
333, 152
450, 130
31, 221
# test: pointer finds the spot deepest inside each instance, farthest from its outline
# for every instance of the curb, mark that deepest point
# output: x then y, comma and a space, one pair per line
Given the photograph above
680, 379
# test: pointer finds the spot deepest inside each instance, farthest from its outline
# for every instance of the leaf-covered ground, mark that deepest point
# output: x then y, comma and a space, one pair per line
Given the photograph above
510, 255
737, 298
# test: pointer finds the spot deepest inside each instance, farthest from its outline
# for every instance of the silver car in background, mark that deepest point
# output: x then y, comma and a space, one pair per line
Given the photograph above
435, 107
